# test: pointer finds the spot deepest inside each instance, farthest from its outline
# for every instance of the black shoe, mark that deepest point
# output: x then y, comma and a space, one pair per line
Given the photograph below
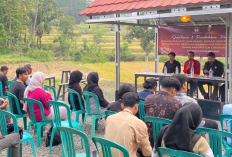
207, 96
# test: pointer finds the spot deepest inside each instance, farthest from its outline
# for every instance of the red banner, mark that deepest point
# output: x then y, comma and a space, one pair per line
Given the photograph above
201, 40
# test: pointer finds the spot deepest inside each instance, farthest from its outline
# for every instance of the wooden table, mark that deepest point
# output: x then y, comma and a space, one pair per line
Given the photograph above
64, 90
49, 78
194, 78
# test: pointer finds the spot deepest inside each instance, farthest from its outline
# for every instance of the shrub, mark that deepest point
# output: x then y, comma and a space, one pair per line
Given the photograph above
40, 55
91, 53
163, 58
125, 53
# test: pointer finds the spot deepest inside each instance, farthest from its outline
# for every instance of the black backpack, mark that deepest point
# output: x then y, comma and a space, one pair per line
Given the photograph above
56, 138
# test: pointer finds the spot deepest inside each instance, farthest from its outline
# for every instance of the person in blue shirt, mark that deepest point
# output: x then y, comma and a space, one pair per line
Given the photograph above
149, 88
227, 109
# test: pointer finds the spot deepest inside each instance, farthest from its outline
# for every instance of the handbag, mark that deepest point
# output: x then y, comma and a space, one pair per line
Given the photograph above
10, 130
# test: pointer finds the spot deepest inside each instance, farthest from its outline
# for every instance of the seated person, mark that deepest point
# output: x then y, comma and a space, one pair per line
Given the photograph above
29, 69
227, 109
12, 141
3, 78
182, 135
74, 84
163, 104
172, 63
126, 129
223, 93
222, 90
93, 87
116, 106
183, 98
3, 104
218, 70
192, 63
149, 88
18, 88
35, 91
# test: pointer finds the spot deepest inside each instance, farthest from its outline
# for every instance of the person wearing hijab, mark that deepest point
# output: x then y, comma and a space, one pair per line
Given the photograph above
93, 87
182, 135
35, 91
74, 84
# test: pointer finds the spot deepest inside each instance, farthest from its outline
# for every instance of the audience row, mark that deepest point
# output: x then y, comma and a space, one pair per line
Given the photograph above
124, 128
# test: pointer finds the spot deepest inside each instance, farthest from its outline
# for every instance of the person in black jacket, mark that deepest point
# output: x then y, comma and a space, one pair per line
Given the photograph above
218, 70
93, 87
172, 63
74, 84
116, 106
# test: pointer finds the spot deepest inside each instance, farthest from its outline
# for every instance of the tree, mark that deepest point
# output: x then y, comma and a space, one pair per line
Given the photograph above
12, 16
48, 15
98, 33
73, 8
146, 35
66, 25
3, 35
33, 29
66, 34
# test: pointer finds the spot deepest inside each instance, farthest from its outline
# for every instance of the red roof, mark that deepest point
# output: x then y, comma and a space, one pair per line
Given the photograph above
109, 6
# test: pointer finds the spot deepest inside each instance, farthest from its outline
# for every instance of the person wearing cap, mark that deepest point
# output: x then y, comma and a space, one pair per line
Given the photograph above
218, 69
172, 63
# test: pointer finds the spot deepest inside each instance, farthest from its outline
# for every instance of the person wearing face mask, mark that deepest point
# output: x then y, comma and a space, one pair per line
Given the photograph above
217, 69
163, 104
149, 88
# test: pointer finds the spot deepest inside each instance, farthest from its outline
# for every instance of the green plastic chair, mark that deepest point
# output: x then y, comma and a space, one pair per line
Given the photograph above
141, 110
176, 153
20, 114
157, 124
57, 120
68, 145
106, 146
228, 148
109, 113
9, 84
78, 112
216, 138
87, 96
37, 125
53, 90
1, 92
26, 136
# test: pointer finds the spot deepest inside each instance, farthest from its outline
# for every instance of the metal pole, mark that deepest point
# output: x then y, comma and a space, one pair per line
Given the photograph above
117, 60
156, 50
230, 58
226, 58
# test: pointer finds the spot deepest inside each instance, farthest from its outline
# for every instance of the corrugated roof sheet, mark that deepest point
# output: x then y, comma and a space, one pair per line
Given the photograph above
109, 6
